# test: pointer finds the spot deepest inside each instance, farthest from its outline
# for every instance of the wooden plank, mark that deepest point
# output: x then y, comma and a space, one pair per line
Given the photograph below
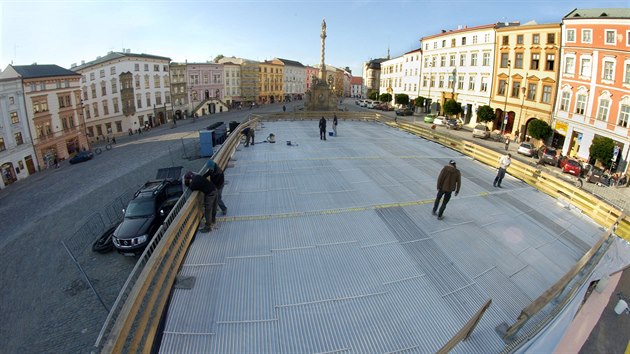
466, 330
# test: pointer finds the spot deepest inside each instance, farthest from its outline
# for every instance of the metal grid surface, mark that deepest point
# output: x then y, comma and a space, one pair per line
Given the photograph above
331, 246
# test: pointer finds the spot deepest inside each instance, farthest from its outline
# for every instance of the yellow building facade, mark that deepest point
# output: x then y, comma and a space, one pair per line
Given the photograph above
525, 79
271, 81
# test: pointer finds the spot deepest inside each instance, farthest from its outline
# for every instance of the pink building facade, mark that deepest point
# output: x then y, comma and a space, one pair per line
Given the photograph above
594, 87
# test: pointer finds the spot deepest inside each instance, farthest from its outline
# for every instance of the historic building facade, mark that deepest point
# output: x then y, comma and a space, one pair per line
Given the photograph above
123, 92
179, 91
526, 76
391, 76
372, 75
232, 74
356, 87
294, 80
52, 103
270, 78
206, 87
594, 89
17, 154
458, 64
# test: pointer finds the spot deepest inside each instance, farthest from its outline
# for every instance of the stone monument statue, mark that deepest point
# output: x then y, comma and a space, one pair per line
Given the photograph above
321, 97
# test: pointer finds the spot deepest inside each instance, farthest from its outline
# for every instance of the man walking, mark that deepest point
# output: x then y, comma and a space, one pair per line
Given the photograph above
504, 162
322, 128
335, 124
449, 180
200, 183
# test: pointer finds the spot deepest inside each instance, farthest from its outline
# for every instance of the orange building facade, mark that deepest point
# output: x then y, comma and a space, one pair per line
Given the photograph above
594, 87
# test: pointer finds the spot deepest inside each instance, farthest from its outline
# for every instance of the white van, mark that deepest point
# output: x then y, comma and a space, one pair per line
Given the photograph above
371, 104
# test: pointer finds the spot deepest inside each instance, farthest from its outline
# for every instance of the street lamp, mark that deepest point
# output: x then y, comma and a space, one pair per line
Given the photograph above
507, 86
190, 100
518, 124
430, 83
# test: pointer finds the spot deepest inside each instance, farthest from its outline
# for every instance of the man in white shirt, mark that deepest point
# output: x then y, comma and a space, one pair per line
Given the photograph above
504, 162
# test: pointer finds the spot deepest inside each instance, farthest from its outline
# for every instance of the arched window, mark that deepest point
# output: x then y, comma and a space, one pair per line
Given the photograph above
603, 106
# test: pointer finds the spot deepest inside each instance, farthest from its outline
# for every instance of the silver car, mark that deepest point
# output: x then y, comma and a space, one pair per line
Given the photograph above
481, 131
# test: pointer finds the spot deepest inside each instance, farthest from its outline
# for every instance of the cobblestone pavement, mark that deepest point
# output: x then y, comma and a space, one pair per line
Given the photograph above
46, 304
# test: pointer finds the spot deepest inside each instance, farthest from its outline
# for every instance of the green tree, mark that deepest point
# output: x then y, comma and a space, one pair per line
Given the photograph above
485, 114
218, 57
401, 98
602, 149
539, 129
451, 107
419, 101
373, 96
385, 97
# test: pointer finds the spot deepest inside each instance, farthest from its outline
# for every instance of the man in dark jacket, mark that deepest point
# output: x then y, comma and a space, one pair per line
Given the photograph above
218, 179
249, 135
200, 183
322, 129
449, 180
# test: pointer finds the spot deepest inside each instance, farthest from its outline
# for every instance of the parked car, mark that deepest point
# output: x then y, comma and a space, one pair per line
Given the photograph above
548, 155
386, 107
429, 118
527, 149
572, 166
481, 131
404, 112
439, 120
363, 103
372, 104
82, 157
455, 124
147, 211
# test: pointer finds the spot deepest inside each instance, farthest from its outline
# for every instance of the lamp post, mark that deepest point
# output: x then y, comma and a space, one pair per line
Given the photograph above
518, 124
190, 99
430, 83
507, 86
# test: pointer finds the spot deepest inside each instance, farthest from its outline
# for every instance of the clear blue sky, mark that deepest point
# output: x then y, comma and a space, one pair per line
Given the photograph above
65, 32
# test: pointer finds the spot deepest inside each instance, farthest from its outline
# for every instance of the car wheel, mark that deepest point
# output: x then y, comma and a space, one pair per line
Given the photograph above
105, 243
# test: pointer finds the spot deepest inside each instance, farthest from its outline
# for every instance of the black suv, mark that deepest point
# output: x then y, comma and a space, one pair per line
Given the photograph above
144, 215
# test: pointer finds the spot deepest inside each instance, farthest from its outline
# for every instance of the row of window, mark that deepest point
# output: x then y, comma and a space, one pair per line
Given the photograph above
431, 61
108, 128
603, 106
551, 39
112, 71
114, 85
610, 36
41, 86
17, 137
585, 69
95, 112
534, 62
463, 41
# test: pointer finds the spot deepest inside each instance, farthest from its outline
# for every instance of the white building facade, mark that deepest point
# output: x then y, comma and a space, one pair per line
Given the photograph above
17, 155
458, 64
123, 92
412, 70
391, 78
294, 80
232, 74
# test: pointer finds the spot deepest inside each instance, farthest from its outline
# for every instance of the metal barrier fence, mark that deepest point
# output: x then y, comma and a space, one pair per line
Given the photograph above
132, 323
